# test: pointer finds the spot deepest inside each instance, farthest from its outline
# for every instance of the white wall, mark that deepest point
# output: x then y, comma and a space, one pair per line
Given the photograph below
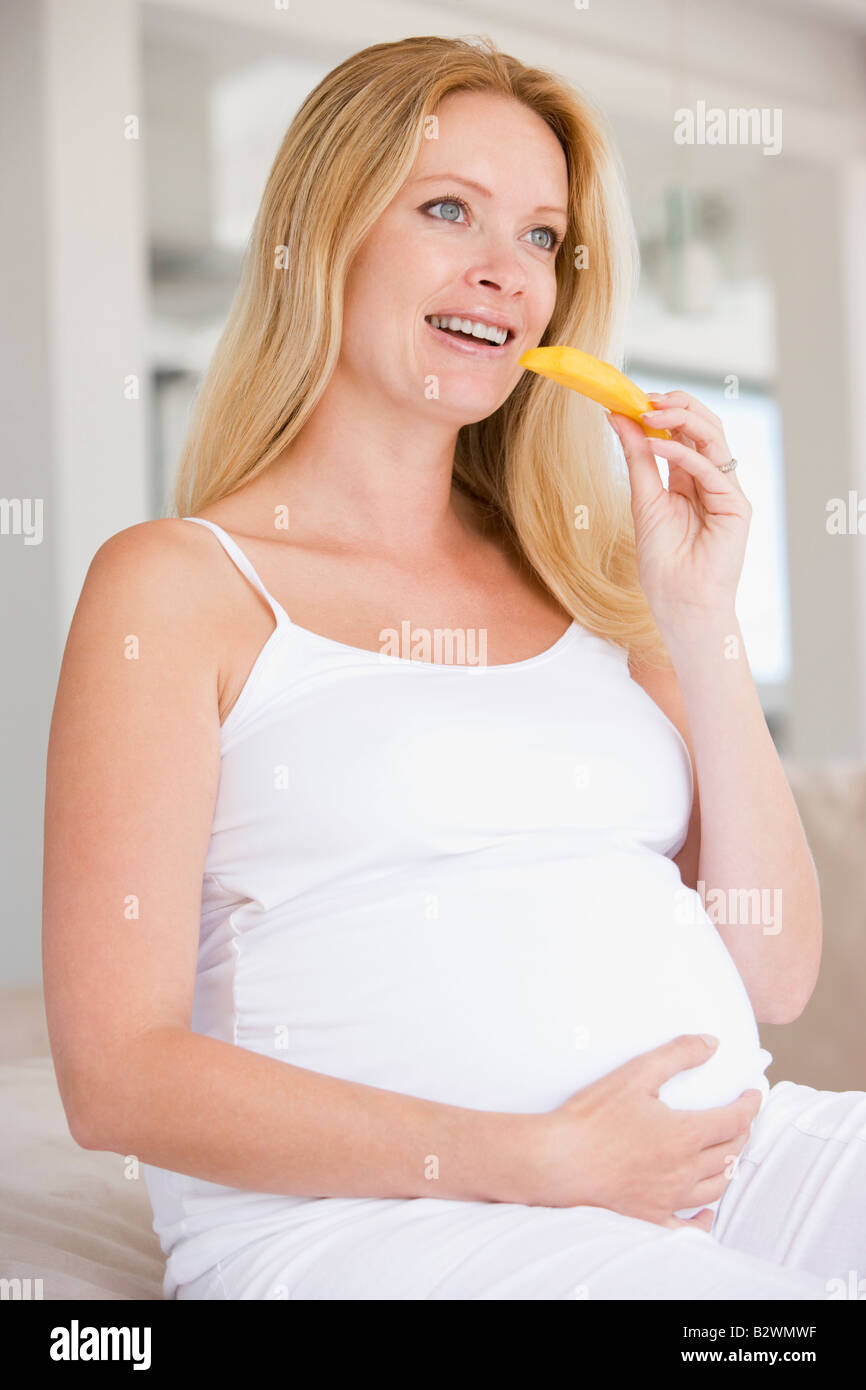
73, 262
29, 586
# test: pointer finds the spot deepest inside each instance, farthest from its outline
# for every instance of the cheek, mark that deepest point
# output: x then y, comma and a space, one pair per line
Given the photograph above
385, 287
360, 288
546, 300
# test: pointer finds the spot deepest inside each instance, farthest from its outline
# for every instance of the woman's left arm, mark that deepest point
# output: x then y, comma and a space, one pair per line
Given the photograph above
758, 877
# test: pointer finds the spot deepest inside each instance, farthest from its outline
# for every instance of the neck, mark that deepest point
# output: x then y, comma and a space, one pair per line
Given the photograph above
371, 477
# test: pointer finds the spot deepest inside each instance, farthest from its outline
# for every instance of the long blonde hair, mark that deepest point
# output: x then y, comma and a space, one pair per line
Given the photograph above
544, 462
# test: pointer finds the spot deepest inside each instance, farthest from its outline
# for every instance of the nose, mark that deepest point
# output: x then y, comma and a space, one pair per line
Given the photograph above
498, 266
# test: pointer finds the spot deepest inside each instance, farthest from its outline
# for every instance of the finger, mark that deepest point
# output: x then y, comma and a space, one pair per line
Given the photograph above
718, 494
690, 403
721, 1158
709, 1189
721, 1124
651, 1069
707, 435
679, 481
704, 433
644, 476
703, 1220
695, 433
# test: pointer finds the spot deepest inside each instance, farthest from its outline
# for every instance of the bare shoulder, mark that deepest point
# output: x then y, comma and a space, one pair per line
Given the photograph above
152, 594
159, 570
152, 556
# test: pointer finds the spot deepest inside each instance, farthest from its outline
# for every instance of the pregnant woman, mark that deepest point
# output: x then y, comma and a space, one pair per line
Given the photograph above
383, 777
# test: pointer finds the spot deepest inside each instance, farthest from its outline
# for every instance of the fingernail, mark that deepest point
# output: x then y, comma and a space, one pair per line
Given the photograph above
649, 414
710, 1040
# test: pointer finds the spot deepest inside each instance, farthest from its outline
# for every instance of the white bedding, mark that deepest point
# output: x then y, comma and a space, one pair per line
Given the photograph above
68, 1216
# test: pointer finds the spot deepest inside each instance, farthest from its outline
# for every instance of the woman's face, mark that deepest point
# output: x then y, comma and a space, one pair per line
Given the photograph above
488, 258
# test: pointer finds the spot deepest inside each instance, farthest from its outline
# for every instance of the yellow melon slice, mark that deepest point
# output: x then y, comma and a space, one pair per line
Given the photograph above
593, 378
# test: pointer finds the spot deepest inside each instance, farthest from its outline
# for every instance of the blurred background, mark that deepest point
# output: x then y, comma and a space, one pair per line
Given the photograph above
136, 139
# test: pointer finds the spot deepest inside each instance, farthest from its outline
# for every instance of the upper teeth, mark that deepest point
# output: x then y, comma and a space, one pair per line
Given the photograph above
475, 327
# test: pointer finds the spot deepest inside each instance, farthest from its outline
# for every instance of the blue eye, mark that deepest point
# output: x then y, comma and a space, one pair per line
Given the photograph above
458, 204
552, 243
447, 203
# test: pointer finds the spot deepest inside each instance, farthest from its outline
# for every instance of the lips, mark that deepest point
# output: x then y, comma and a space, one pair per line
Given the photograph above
489, 317
476, 332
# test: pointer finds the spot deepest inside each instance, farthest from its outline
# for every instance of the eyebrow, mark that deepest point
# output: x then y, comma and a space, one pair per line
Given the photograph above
479, 188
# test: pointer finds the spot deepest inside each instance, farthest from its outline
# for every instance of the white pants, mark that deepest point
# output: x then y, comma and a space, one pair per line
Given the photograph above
790, 1225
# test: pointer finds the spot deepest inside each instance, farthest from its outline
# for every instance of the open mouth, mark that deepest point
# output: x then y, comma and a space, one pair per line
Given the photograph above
470, 331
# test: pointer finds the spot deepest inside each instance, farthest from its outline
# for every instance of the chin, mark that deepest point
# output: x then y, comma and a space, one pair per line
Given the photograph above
462, 409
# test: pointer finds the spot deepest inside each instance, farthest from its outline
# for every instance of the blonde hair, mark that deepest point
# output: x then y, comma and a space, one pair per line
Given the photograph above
546, 453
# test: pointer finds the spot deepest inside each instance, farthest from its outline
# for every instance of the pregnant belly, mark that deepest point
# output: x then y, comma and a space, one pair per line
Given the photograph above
500, 982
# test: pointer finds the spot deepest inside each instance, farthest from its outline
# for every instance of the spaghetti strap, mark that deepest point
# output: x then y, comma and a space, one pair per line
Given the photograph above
231, 547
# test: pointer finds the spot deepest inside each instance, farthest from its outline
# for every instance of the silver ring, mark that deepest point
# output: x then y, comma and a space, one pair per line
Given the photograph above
727, 467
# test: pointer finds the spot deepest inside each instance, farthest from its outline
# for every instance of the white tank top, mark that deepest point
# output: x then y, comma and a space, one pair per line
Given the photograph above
450, 881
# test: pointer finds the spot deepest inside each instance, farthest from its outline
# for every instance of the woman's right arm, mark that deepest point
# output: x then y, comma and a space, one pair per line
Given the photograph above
132, 777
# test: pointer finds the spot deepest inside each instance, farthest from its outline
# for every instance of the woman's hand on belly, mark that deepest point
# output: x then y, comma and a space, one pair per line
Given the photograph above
615, 1144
